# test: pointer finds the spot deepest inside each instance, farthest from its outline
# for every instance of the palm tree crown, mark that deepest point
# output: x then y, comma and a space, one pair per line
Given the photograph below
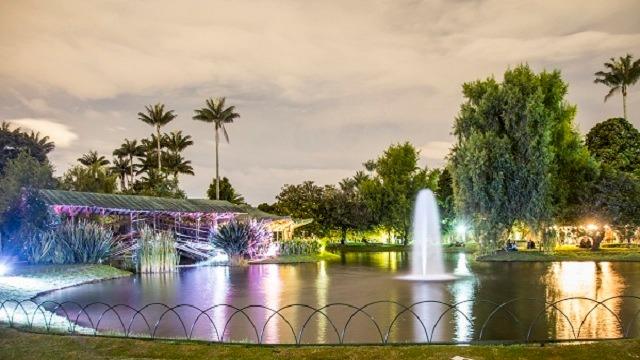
176, 142
92, 159
621, 74
129, 149
156, 116
219, 115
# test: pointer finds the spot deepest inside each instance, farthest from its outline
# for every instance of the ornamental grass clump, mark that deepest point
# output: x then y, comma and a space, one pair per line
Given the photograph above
233, 238
300, 247
156, 252
83, 242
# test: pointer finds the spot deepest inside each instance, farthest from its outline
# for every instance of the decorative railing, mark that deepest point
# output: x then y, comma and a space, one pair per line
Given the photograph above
543, 321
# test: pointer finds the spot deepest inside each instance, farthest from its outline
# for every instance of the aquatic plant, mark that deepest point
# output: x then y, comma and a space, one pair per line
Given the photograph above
156, 251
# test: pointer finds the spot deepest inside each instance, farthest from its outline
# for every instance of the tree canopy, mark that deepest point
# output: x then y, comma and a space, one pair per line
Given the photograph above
515, 139
616, 143
227, 192
390, 193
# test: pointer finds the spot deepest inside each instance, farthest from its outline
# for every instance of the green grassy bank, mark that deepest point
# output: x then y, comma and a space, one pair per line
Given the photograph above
295, 259
605, 254
20, 345
27, 281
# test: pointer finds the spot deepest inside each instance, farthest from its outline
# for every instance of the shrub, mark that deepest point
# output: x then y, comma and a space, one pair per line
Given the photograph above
300, 247
70, 243
233, 238
156, 252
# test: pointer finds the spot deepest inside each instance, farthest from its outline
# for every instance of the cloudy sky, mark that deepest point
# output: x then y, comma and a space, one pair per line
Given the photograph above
321, 86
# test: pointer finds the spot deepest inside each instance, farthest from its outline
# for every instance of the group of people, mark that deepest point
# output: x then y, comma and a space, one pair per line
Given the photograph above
511, 245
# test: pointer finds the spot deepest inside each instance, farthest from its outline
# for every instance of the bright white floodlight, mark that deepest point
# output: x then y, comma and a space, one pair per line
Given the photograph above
461, 229
4, 268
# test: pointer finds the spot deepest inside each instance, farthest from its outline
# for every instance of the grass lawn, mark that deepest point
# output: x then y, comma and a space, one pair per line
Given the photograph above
27, 281
295, 259
20, 345
563, 254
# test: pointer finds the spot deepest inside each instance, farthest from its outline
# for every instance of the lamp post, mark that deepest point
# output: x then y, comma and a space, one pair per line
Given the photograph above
462, 232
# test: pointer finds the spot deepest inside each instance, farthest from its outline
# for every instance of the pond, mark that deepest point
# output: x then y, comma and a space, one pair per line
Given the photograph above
361, 278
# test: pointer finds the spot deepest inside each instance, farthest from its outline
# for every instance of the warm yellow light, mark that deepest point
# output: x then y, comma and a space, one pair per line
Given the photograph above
592, 227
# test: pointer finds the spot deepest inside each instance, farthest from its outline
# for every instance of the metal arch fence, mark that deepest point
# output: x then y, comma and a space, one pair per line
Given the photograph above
150, 320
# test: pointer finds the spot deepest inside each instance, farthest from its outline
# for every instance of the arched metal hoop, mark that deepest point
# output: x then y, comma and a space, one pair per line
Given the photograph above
90, 318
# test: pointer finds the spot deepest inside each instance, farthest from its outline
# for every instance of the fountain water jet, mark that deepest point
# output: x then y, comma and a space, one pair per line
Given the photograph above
427, 264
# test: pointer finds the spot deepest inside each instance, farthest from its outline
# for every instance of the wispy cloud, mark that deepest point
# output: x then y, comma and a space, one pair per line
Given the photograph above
60, 133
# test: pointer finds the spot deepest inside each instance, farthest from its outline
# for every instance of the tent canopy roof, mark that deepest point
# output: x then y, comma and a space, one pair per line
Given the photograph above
127, 204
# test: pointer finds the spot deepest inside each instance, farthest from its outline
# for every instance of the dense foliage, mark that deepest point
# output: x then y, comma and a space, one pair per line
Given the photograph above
83, 242
616, 143
156, 252
299, 247
21, 209
242, 241
513, 138
227, 192
14, 140
390, 193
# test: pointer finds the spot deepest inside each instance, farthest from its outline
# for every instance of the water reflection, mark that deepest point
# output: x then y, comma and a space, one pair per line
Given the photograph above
594, 280
361, 278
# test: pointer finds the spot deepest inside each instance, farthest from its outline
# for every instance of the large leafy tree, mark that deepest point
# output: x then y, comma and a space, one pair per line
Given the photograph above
446, 203
217, 113
616, 143
344, 209
157, 117
20, 207
226, 192
14, 140
391, 192
302, 201
619, 75
502, 160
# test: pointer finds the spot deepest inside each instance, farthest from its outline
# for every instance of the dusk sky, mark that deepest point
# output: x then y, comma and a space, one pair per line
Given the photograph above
321, 86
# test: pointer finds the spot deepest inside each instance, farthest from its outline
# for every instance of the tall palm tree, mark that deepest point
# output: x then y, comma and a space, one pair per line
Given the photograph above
129, 149
621, 74
176, 142
219, 115
176, 164
120, 167
157, 117
92, 159
43, 142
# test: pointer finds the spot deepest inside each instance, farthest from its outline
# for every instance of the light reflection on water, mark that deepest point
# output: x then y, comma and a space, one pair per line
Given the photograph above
592, 280
360, 278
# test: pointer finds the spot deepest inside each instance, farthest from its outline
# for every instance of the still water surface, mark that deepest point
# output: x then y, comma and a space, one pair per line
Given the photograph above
361, 278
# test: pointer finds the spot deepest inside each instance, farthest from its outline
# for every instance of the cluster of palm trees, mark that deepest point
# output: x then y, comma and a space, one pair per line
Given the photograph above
161, 155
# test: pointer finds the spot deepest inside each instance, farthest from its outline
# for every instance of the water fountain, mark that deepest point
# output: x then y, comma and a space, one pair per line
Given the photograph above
427, 264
